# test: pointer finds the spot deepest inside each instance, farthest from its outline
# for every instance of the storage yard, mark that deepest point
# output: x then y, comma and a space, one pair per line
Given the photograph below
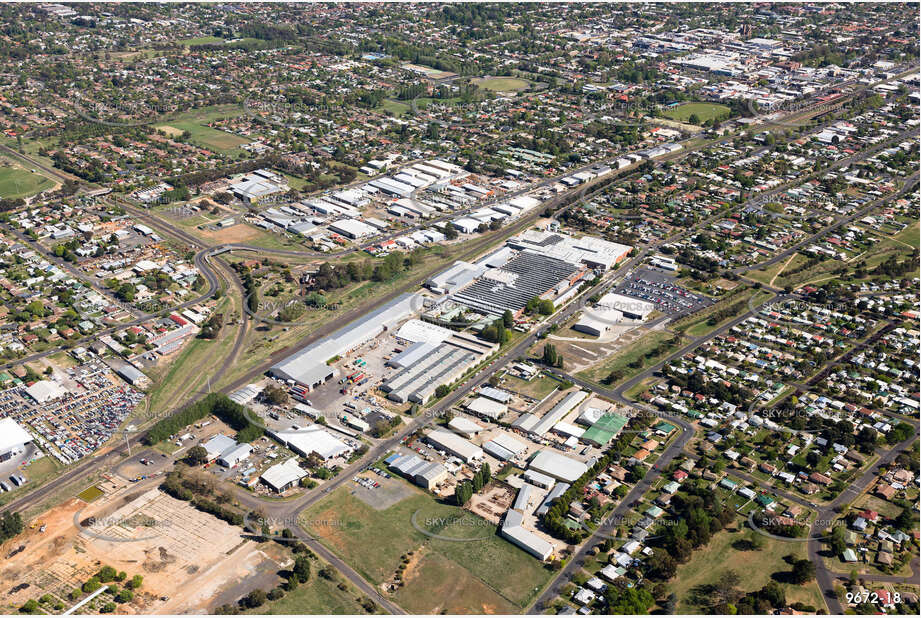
75, 411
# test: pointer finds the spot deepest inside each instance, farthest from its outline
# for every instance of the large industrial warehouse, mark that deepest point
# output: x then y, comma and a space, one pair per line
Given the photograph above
525, 276
588, 250
430, 366
308, 367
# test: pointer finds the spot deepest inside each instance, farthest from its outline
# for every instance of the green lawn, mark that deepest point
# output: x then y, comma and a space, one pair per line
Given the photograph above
704, 111
206, 136
90, 494
462, 576
201, 40
502, 84
395, 108
910, 235
17, 182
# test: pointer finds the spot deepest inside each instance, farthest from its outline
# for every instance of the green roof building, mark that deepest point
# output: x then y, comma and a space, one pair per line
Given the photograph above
604, 429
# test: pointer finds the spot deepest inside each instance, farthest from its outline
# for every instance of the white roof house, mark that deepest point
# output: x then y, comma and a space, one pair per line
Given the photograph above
631, 308
486, 407
513, 530
464, 427
218, 444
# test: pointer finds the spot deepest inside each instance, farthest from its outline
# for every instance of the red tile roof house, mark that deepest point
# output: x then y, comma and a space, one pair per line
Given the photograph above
871, 516
887, 492
815, 477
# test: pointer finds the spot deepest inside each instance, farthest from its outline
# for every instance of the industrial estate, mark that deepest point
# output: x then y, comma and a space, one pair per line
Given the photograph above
476, 308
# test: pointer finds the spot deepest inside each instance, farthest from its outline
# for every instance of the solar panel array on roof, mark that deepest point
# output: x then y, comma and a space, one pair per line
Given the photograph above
536, 275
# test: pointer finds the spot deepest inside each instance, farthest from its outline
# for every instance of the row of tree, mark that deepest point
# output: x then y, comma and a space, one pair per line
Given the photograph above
218, 404
465, 489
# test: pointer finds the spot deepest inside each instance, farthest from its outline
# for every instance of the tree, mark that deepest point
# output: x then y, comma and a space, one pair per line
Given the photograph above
442, 390
803, 571
275, 395
545, 307
107, 574
628, 601
551, 357
197, 456
837, 541
774, 594
254, 599
463, 492
301, 569
91, 585
508, 319
29, 607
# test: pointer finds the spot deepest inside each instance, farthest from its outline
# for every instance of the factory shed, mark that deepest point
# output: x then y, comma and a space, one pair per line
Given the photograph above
558, 466
464, 427
488, 408
454, 444
283, 476
218, 444
13, 438
417, 383
313, 439
558, 411
513, 530
308, 365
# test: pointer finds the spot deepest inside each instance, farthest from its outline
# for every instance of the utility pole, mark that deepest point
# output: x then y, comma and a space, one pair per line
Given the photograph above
127, 441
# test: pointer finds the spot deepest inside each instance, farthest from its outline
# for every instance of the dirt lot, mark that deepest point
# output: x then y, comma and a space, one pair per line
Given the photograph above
581, 354
184, 555
492, 503
233, 234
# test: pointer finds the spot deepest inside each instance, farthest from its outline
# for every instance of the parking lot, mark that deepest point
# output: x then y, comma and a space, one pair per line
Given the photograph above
95, 404
379, 489
658, 287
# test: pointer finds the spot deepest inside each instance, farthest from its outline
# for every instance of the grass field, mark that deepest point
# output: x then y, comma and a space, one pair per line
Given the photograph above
910, 235
395, 108
767, 275
701, 327
461, 577
755, 568
201, 40
704, 111
38, 472
17, 181
622, 359
90, 494
205, 136
538, 388
502, 84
